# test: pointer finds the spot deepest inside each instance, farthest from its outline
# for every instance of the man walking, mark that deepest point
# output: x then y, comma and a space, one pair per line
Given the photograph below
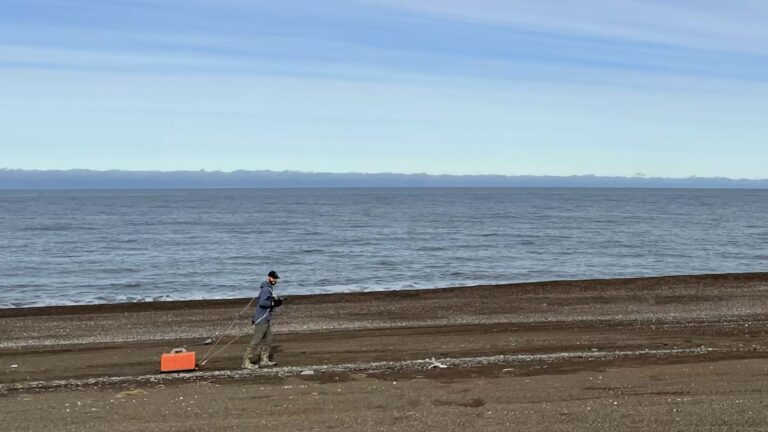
262, 325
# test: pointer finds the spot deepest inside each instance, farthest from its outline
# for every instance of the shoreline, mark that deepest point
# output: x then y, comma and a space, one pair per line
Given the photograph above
172, 305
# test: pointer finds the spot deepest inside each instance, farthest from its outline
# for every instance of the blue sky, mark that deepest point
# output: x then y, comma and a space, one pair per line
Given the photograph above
664, 88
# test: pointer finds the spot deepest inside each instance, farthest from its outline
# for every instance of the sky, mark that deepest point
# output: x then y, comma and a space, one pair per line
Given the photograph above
658, 88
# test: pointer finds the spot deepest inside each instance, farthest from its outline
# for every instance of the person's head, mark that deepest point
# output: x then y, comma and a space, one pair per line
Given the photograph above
272, 277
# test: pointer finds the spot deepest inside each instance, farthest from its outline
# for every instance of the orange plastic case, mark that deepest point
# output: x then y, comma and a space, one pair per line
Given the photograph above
178, 359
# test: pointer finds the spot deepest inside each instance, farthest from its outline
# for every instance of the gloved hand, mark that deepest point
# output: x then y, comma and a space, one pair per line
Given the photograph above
277, 302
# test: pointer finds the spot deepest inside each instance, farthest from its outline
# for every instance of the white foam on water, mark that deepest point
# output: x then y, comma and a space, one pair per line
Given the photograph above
91, 298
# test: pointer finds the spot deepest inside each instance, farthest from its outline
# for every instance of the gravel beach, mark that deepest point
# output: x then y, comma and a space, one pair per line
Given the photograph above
666, 353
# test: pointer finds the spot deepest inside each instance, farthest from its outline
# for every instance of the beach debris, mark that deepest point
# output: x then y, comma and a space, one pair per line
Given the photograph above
365, 368
129, 393
436, 365
308, 372
208, 341
13, 366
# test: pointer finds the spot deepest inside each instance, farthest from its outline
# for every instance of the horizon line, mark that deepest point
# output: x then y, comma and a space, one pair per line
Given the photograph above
638, 176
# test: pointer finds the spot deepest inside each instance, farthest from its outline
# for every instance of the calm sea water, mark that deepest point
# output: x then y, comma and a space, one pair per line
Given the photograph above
78, 247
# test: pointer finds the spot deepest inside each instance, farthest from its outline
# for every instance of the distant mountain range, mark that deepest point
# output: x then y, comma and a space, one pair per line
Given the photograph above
115, 179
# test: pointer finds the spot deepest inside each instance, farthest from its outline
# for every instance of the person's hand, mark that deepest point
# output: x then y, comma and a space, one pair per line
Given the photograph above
277, 302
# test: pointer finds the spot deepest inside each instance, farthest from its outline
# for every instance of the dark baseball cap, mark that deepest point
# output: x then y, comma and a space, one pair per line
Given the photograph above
273, 275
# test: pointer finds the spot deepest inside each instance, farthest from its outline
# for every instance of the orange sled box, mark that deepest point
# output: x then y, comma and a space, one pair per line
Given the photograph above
178, 359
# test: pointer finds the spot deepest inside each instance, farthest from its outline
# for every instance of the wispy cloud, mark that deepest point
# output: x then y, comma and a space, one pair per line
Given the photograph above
705, 25
481, 39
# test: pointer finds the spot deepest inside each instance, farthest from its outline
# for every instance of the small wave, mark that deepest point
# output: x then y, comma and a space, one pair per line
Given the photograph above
431, 249
117, 270
47, 228
23, 286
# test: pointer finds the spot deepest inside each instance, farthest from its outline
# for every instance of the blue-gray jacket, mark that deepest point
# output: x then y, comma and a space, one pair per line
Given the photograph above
263, 312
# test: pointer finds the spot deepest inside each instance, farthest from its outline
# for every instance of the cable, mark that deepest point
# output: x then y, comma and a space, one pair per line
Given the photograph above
220, 338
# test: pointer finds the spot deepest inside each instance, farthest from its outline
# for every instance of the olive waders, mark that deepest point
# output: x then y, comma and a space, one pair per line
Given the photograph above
261, 341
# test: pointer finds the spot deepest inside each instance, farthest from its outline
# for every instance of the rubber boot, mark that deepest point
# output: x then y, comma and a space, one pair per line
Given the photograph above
247, 359
265, 357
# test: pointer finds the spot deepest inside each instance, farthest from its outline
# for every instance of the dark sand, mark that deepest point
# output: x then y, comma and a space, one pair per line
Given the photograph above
674, 353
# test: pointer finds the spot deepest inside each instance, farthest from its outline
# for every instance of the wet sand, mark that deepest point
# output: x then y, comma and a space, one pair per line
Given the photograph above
672, 353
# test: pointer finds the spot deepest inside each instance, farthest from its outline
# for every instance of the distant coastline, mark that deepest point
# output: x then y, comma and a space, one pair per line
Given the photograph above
117, 179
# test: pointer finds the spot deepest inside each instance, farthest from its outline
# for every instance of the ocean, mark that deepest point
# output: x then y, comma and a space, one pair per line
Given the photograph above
108, 246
